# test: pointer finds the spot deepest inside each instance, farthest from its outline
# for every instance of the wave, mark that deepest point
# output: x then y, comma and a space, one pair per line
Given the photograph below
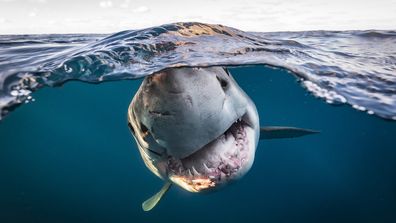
353, 67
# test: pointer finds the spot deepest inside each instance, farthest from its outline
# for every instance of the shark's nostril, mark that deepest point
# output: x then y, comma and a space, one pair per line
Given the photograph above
223, 83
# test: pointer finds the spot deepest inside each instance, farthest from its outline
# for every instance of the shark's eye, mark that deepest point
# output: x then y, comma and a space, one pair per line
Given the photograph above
223, 83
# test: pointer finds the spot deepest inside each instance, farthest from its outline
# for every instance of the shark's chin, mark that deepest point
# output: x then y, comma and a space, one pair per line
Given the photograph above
221, 161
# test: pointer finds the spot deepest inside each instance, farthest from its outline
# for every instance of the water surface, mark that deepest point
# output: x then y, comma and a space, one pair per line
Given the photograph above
352, 67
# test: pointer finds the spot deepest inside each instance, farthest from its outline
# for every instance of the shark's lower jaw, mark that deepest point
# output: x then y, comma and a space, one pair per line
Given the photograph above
221, 161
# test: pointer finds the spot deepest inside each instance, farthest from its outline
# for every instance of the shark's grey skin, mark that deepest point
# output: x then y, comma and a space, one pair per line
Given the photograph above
196, 128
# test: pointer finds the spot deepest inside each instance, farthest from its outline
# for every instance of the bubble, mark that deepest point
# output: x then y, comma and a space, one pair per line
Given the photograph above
14, 93
67, 68
329, 96
360, 108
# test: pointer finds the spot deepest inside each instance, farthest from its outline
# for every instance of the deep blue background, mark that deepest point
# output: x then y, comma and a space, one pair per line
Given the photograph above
69, 157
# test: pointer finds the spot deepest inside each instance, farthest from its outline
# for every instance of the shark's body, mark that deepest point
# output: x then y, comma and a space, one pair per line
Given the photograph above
196, 128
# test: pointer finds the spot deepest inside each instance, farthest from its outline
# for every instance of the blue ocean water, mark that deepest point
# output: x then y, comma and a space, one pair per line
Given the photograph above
67, 154
69, 157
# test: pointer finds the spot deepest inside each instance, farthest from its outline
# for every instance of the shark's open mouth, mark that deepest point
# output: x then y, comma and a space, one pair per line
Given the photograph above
222, 160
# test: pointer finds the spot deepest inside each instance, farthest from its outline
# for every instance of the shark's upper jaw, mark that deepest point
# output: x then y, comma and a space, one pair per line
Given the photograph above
223, 160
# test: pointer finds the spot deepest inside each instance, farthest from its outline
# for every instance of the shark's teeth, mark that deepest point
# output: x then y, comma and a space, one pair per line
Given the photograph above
189, 173
206, 168
237, 153
195, 172
248, 120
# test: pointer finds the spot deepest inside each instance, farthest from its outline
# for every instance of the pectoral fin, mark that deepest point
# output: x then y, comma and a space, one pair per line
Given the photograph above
153, 201
277, 132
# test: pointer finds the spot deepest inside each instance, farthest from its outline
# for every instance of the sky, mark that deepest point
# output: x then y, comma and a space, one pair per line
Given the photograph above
108, 16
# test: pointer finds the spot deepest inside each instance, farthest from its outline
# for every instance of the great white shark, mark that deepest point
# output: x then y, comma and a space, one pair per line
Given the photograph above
196, 128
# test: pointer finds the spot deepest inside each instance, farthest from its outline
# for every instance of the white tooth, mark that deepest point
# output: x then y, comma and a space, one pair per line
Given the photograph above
195, 172
211, 177
189, 173
237, 153
206, 167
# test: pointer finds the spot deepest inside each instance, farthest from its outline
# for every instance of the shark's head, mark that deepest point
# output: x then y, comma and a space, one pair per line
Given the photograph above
194, 127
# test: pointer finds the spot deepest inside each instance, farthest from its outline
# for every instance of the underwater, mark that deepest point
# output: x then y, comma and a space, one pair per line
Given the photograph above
226, 125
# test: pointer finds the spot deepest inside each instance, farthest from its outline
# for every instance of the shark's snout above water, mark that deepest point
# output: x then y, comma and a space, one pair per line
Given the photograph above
196, 128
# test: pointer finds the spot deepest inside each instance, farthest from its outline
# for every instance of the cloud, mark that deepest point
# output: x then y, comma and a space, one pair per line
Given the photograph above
125, 4
32, 14
252, 15
106, 4
38, 1
141, 9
